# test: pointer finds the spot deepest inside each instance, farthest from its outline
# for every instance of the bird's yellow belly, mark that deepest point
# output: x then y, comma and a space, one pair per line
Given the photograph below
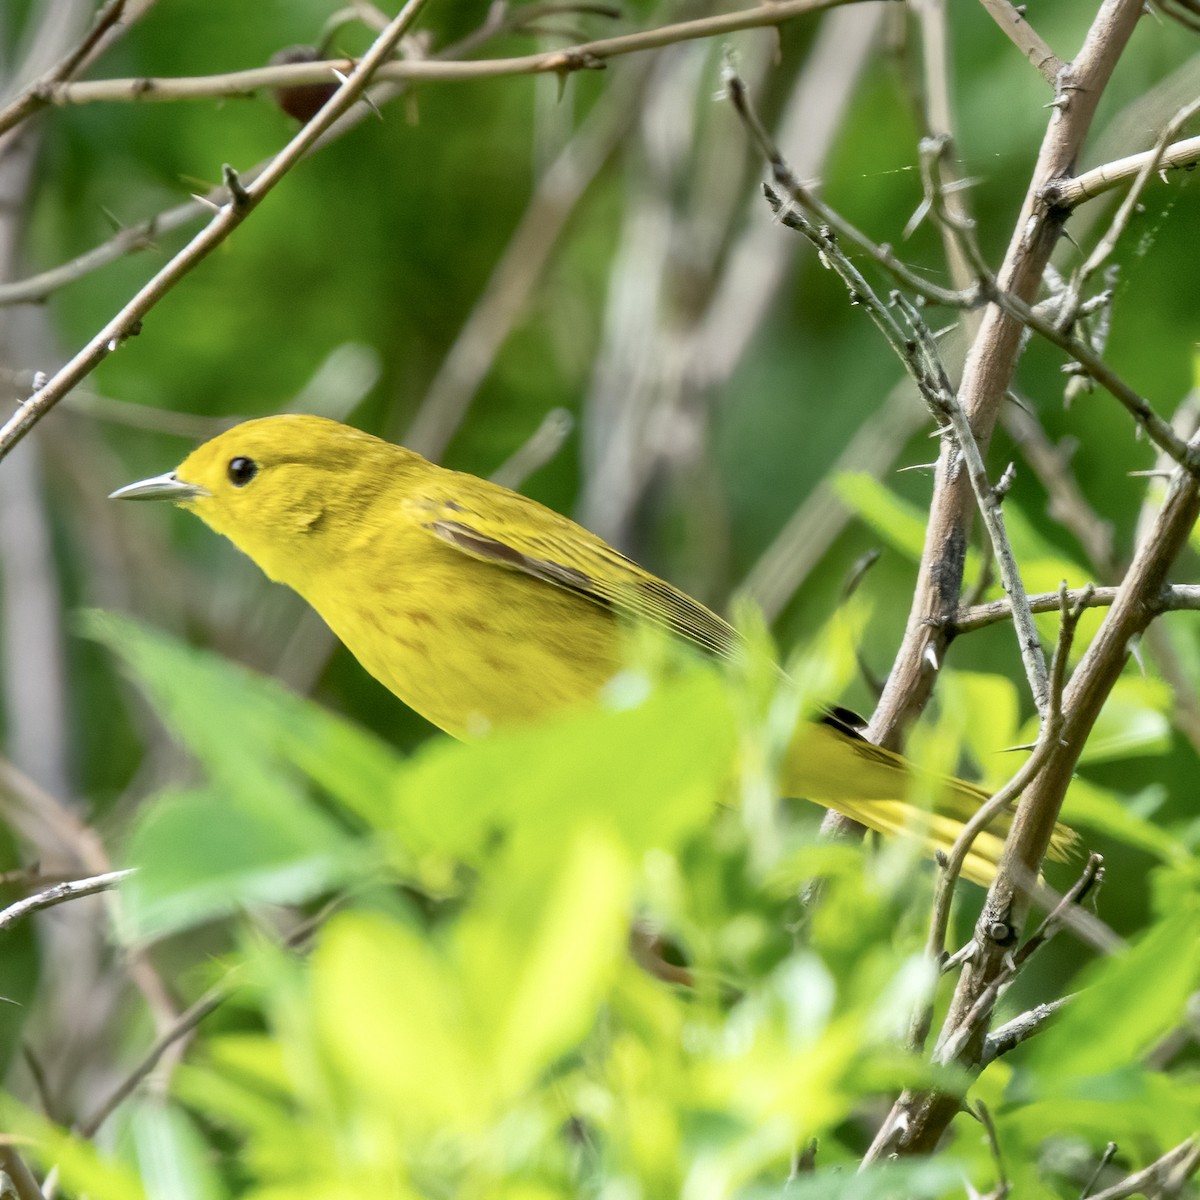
477, 646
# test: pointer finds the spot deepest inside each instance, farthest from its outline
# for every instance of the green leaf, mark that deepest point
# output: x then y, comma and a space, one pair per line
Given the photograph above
1103, 812
650, 774
1134, 721
1124, 1005
208, 853
173, 1159
243, 727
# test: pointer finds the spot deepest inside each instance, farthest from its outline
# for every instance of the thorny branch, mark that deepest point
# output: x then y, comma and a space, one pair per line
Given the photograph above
918, 1119
243, 200
585, 56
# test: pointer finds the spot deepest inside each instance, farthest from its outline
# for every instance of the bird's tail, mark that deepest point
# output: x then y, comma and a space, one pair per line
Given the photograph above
828, 763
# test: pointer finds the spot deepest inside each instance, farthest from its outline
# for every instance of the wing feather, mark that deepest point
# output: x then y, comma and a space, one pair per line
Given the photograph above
522, 535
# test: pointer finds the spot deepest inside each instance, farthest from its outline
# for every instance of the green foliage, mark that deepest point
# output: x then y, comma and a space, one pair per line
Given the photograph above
471, 1022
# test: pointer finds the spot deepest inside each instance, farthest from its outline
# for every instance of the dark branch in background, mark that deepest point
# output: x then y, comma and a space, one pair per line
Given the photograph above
246, 198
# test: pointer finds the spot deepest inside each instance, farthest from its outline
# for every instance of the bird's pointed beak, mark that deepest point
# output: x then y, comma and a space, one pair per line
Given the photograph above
160, 487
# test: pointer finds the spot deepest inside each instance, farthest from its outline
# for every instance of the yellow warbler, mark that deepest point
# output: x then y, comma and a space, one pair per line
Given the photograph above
481, 608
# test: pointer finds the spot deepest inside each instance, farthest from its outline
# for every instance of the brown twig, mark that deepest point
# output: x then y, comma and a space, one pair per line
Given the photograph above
584, 56
918, 1120
128, 321
1015, 25
183, 1025
25, 1186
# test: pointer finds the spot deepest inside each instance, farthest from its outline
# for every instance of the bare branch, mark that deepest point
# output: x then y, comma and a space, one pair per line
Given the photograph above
60, 893
584, 56
24, 1185
1071, 193
1013, 21
1163, 1177
1181, 597
183, 1025
37, 94
128, 321
1020, 1029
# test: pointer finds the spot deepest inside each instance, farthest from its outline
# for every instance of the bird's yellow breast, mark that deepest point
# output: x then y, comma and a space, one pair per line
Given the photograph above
467, 644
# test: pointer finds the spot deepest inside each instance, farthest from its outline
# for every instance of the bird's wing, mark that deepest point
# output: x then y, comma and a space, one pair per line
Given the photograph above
512, 531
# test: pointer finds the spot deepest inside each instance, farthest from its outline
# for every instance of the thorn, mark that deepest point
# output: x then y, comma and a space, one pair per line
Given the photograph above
366, 99
1004, 485
206, 202
917, 467
1135, 651
233, 181
342, 79
929, 655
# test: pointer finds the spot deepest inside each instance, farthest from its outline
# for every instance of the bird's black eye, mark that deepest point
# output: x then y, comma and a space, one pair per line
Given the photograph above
242, 470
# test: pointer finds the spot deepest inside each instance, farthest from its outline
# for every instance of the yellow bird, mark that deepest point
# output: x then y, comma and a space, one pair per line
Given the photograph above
481, 608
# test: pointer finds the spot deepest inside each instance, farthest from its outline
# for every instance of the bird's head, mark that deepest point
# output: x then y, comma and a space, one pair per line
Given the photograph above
282, 489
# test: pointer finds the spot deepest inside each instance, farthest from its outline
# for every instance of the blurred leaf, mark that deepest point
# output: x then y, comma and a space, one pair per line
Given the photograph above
206, 853
1103, 812
899, 523
651, 773
172, 1156
80, 1165
1134, 721
1124, 1004
243, 727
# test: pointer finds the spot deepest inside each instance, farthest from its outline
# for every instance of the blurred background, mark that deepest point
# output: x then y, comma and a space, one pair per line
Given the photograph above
572, 284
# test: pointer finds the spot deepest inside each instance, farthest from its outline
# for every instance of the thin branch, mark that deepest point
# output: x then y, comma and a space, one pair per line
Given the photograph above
1015, 25
584, 56
1180, 597
918, 351
243, 201
954, 1039
183, 1025
1071, 193
983, 1114
1020, 1029
1102, 251
1163, 1177
24, 1185
987, 288
37, 94
952, 864
60, 893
